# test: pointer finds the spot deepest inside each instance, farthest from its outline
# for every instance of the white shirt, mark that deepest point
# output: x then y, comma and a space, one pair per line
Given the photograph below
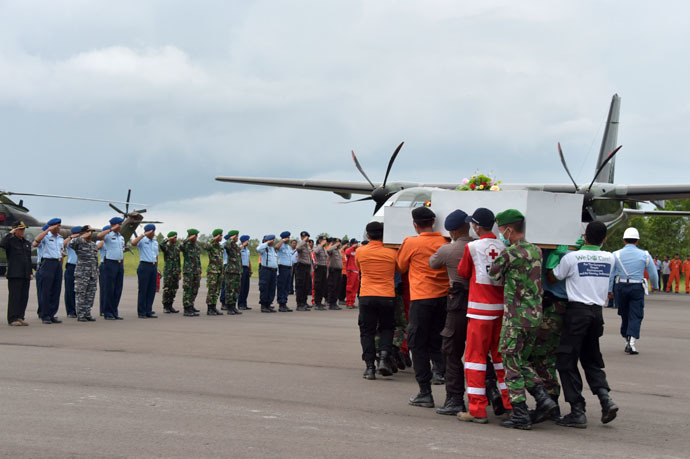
587, 274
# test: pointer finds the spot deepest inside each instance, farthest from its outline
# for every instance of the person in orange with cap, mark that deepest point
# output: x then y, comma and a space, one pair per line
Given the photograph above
674, 278
428, 291
686, 273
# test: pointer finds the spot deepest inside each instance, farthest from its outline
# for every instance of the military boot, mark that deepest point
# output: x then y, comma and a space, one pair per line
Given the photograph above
370, 371
609, 410
384, 368
301, 307
189, 312
398, 358
519, 419
545, 404
494, 397
265, 308
195, 310
212, 311
453, 405
555, 414
423, 398
234, 310
334, 307
576, 418
167, 308
437, 378
283, 308
172, 310
319, 307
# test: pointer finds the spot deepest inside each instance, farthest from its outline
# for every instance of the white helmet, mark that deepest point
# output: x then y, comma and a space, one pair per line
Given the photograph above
631, 233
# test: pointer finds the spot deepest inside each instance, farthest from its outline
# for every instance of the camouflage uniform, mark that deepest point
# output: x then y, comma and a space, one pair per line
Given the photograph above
191, 272
548, 338
233, 273
399, 332
171, 272
214, 271
85, 274
520, 267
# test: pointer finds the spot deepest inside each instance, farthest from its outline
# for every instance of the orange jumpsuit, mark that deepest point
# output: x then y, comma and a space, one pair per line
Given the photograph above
686, 273
675, 265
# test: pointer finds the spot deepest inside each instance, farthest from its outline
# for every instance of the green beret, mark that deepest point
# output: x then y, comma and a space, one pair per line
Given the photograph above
233, 233
216, 232
172, 233
509, 216
192, 232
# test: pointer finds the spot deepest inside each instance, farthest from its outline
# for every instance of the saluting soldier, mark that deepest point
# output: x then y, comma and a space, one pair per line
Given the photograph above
191, 272
147, 272
69, 273
246, 273
18, 251
233, 271
214, 272
335, 269
284, 254
303, 272
320, 273
51, 244
101, 275
113, 269
171, 272
37, 275
267, 273
85, 273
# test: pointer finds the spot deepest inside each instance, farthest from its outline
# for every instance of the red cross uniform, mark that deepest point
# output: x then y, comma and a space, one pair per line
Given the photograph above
484, 314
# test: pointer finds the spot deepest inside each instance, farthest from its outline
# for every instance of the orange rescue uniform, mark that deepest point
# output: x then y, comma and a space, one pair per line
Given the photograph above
413, 257
686, 273
675, 265
378, 274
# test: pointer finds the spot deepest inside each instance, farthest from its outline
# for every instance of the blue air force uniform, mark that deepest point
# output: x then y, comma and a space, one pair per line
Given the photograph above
246, 274
268, 270
147, 273
101, 275
113, 271
51, 274
284, 254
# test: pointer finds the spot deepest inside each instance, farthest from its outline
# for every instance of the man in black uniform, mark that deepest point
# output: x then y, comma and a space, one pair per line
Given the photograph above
19, 273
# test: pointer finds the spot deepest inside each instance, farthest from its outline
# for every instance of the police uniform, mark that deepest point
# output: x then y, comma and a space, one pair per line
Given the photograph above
113, 271
628, 285
320, 273
70, 306
85, 274
335, 269
51, 274
303, 272
246, 275
18, 251
147, 273
268, 270
284, 254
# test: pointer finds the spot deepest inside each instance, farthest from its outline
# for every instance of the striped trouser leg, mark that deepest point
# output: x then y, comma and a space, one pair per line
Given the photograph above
478, 343
497, 360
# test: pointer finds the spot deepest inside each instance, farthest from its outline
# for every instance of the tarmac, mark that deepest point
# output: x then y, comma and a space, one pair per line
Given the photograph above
289, 385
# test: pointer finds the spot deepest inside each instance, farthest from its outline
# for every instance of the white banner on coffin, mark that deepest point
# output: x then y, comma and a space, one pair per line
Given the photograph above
552, 218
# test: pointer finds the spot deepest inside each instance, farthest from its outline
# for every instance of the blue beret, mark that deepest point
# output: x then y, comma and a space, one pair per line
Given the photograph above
244, 238
116, 220
226, 237
76, 229
45, 227
285, 234
455, 220
269, 237
149, 227
54, 221
106, 228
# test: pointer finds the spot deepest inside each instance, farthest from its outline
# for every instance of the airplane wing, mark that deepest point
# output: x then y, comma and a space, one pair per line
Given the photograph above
658, 213
652, 192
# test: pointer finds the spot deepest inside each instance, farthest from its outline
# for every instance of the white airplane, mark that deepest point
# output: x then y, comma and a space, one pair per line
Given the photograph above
604, 200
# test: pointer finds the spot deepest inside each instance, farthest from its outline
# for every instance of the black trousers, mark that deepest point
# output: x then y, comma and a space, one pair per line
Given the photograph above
583, 324
244, 287
343, 287
427, 318
320, 283
18, 298
334, 278
267, 285
70, 305
302, 282
51, 284
376, 313
664, 277
113, 277
454, 336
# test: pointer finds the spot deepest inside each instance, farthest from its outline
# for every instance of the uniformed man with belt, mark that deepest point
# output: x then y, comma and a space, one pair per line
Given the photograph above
320, 273
246, 273
171, 272
52, 245
284, 253
214, 272
85, 273
335, 269
233, 273
18, 251
113, 269
191, 272
37, 276
303, 272
268, 270
70, 306
222, 301
101, 275
630, 286
147, 272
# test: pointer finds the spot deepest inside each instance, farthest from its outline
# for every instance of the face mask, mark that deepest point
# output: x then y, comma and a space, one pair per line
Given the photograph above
473, 233
504, 239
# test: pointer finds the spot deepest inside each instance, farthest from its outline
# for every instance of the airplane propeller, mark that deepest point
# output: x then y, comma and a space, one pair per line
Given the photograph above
379, 194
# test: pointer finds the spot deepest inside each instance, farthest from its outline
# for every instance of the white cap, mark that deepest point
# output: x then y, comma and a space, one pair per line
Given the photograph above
631, 233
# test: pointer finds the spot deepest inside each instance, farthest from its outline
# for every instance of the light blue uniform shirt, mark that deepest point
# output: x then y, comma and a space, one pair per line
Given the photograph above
114, 244
225, 253
293, 253
148, 250
245, 256
102, 252
71, 255
268, 255
39, 254
52, 246
285, 255
635, 261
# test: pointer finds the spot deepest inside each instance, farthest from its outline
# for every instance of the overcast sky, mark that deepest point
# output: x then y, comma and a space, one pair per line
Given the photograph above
162, 96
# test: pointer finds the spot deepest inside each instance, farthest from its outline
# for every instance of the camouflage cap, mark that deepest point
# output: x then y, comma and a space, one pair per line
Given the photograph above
509, 216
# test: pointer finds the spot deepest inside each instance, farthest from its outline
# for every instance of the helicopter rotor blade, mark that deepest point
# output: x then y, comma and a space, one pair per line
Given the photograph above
115, 208
565, 166
606, 161
129, 193
390, 164
361, 171
39, 195
139, 211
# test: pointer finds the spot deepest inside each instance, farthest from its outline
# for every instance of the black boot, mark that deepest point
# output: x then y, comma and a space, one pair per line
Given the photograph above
519, 419
211, 311
437, 378
609, 410
424, 397
283, 308
172, 310
319, 307
265, 308
195, 310
554, 416
189, 312
167, 307
494, 397
454, 404
370, 371
576, 418
233, 310
398, 358
334, 307
545, 404
408, 359
384, 365
301, 307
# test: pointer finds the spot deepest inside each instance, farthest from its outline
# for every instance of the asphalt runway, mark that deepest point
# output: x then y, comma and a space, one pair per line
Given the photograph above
289, 385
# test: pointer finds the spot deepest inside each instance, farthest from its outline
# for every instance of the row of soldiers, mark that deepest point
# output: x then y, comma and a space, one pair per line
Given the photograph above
510, 310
